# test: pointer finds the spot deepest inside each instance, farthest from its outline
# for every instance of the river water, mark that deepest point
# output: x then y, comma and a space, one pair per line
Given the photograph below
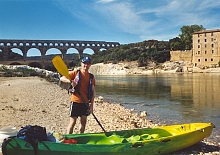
167, 98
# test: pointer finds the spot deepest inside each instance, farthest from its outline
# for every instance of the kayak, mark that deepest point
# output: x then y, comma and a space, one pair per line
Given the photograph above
152, 141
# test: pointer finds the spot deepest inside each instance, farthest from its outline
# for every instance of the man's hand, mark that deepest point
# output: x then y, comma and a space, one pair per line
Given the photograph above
64, 79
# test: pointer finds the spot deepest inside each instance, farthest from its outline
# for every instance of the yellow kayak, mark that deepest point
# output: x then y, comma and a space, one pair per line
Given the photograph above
146, 141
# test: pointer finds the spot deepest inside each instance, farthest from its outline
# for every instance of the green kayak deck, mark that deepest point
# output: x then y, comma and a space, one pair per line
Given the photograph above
152, 141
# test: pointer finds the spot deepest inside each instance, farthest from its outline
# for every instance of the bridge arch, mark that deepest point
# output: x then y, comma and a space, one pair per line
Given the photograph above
17, 50
15, 63
72, 50
29, 50
88, 50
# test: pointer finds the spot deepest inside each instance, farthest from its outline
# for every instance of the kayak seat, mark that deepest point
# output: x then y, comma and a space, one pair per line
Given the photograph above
100, 139
149, 136
133, 138
113, 139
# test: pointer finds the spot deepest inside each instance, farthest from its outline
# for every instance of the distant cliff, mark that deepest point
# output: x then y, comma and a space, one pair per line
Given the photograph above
126, 68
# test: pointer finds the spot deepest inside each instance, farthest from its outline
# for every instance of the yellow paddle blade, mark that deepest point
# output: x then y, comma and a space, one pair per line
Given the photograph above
60, 66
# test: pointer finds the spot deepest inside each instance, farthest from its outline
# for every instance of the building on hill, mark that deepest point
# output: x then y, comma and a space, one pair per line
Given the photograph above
206, 48
205, 51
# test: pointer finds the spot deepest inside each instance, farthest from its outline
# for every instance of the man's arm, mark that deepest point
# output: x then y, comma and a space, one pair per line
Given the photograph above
64, 79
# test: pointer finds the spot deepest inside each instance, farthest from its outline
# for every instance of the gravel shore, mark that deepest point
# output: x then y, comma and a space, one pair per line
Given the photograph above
35, 101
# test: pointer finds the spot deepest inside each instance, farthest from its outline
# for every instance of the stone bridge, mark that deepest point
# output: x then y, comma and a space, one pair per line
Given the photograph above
44, 45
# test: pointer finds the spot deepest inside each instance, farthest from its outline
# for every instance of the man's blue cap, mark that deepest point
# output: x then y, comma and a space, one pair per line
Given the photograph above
86, 59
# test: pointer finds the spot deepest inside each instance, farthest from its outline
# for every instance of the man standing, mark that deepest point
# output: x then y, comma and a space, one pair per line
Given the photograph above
82, 94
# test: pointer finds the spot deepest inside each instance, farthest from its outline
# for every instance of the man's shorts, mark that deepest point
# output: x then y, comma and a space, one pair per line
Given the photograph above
78, 109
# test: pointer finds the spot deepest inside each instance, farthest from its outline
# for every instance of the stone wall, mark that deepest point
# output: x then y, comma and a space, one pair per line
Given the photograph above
185, 55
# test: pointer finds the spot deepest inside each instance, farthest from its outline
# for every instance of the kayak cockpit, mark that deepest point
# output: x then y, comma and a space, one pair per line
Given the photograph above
117, 137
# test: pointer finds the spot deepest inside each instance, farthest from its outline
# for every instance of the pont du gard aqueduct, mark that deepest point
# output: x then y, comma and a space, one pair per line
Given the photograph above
43, 46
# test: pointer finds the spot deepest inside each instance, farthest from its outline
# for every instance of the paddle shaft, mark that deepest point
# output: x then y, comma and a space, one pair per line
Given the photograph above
63, 70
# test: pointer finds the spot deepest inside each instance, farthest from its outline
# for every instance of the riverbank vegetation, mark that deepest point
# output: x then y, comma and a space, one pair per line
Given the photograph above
26, 71
16, 72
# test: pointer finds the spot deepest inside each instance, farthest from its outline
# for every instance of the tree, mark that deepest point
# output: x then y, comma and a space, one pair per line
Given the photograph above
176, 44
187, 32
140, 61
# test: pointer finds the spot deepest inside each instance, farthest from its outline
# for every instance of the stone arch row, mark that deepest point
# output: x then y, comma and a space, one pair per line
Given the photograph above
44, 45
16, 43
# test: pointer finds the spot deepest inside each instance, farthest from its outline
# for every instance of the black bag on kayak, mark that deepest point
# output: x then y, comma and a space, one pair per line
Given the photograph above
33, 134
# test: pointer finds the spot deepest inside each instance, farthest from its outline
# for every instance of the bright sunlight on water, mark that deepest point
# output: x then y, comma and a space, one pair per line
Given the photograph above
168, 98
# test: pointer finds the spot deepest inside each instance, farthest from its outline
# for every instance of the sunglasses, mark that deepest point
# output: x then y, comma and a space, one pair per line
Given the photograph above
87, 62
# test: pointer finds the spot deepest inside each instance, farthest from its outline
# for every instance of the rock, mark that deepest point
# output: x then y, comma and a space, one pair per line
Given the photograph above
143, 114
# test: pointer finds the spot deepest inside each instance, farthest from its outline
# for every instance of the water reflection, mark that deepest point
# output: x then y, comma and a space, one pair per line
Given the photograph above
171, 98
132, 86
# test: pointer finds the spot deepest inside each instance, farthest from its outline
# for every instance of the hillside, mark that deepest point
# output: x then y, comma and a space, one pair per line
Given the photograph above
131, 68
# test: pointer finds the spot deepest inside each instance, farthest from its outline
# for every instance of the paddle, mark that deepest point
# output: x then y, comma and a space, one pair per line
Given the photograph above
63, 70
60, 66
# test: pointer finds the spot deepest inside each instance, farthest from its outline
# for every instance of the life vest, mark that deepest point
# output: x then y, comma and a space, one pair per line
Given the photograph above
77, 87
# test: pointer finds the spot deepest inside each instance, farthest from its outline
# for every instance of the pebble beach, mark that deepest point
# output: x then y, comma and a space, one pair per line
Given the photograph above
36, 101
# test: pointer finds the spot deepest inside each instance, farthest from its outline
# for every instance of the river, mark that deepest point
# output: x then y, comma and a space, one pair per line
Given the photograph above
167, 98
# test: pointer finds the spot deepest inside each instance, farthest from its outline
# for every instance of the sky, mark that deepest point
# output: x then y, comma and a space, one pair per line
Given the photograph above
123, 21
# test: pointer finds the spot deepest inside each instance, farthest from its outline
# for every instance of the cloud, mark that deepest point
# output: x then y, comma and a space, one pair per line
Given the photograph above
105, 1
123, 15
185, 12
174, 14
145, 18
109, 14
